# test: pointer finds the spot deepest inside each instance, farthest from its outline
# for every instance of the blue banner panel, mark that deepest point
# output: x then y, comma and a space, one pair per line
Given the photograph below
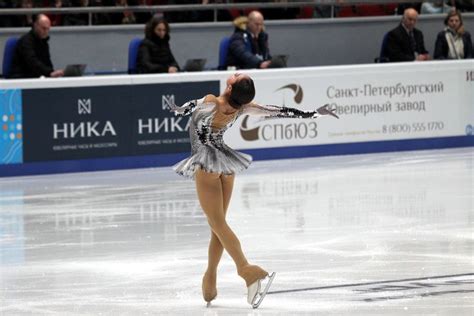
11, 127
107, 121
156, 130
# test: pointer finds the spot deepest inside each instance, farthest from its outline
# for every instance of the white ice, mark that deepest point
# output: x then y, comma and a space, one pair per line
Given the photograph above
379, 234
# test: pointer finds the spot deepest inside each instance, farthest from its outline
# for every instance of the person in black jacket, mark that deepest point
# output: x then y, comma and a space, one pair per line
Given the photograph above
31, 58
453, 42
464, 5
249, 48
154, 53
405, 42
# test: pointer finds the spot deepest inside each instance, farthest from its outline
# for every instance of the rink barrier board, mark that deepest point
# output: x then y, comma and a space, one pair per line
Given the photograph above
342, 86
163, 160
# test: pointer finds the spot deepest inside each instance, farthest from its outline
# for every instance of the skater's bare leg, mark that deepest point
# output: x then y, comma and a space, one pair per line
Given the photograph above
211, 197
209, 288
215, 247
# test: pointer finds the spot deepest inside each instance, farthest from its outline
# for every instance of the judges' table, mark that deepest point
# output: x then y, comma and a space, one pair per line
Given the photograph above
115, 122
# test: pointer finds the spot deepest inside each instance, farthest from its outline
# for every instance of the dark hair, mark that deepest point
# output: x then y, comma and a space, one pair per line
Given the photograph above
243, 91
151, 25
452, 13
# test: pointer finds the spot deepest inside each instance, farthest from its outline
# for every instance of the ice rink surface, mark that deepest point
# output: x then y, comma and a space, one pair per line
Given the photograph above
379, 234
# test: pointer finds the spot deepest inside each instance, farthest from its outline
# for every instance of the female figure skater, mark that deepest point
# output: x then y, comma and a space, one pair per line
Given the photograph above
213, 165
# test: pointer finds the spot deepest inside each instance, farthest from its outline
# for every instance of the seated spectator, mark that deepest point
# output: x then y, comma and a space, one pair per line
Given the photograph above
453, 42
57, 18
464, 5
101, 18
25, 20
125, 17
154, 53
78, 18
405, 42
249, 48
280, 13
322, 11
435, 7
31, 58
7, 20
367, 10
141, 17
191, 15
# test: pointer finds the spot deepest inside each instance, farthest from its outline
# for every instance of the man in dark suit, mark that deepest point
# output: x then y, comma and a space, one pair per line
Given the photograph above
405, 42
249, 48
31, 58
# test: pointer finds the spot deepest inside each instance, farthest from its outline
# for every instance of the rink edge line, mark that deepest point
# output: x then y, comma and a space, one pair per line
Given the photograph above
369, 283
148, 161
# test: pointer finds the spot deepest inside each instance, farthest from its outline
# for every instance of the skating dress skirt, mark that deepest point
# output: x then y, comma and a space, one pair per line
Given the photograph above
208, 150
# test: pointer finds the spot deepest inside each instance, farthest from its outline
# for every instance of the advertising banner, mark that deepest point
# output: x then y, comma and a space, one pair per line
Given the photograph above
373, 105
75, 123
108, 121
155, 129
113, 122
11, 132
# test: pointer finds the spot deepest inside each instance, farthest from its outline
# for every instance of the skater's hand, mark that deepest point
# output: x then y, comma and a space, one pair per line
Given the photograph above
325, 111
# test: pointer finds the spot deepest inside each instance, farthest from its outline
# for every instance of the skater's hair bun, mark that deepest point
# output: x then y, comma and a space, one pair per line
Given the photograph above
243, 92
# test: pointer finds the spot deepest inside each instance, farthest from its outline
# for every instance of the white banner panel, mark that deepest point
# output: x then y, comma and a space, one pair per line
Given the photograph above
374, 102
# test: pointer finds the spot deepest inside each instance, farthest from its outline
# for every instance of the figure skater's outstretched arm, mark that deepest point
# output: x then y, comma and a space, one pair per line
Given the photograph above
189, 107
272, 111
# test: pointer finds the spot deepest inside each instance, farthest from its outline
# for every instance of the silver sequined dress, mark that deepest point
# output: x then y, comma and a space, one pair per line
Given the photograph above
208, 150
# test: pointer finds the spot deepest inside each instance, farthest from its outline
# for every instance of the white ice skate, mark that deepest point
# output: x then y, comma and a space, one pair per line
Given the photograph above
255, 294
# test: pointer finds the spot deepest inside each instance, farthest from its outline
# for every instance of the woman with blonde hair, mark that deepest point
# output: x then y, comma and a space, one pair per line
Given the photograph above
454, 42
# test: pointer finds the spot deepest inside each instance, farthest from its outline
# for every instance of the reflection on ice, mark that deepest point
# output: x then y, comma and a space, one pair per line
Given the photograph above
367, 234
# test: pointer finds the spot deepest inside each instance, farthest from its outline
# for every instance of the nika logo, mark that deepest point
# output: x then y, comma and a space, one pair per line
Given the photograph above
84, 106
159, 125
86, 129
251, 134
167, 101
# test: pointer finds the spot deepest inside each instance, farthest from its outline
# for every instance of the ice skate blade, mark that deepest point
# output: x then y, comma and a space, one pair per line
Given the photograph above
255, 295
208, 304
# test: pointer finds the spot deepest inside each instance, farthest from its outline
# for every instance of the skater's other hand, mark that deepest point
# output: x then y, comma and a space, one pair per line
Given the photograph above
325, 111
